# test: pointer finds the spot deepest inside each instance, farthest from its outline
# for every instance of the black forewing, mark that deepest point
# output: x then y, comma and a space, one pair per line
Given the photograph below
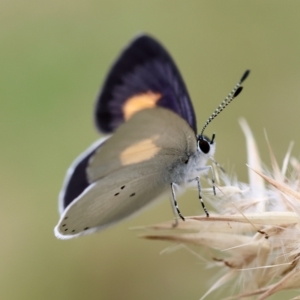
76, 180
143, 67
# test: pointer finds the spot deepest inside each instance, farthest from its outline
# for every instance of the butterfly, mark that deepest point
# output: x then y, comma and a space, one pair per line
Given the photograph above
151, 147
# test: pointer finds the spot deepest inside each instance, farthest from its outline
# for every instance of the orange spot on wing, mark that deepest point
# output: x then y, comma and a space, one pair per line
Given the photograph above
139, 152
140, 102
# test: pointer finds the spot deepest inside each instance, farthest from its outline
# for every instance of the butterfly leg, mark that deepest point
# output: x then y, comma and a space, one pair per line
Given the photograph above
175, 205
199, 186
175, 224
218, 165
212, 176
200, 195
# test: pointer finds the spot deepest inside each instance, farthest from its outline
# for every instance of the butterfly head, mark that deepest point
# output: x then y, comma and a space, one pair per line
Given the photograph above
205, 144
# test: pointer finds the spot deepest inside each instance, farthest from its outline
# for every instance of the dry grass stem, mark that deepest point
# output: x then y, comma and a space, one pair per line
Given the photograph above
254, 235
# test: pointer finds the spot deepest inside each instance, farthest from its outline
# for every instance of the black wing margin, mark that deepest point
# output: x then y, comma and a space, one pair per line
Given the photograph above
144, 76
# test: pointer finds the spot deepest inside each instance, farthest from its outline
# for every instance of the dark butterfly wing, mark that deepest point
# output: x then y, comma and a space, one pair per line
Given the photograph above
144, 76
76, 180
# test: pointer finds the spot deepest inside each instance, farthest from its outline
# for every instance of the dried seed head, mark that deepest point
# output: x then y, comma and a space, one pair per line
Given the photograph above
256, 232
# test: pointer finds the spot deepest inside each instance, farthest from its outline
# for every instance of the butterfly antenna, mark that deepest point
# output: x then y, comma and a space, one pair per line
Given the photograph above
233, 94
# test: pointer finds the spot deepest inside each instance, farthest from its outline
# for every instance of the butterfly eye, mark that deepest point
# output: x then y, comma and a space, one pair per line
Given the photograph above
204, 145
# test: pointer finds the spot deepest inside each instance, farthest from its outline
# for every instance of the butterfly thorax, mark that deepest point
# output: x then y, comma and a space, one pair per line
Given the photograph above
190, 166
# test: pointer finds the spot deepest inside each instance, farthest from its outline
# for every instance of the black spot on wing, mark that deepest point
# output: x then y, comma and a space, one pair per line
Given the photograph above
64, 228
145, 66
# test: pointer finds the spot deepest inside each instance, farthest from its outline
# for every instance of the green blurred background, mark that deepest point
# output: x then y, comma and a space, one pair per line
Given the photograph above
54, 57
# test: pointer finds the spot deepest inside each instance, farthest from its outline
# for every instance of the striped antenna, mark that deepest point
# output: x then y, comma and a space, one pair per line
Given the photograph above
234, 93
